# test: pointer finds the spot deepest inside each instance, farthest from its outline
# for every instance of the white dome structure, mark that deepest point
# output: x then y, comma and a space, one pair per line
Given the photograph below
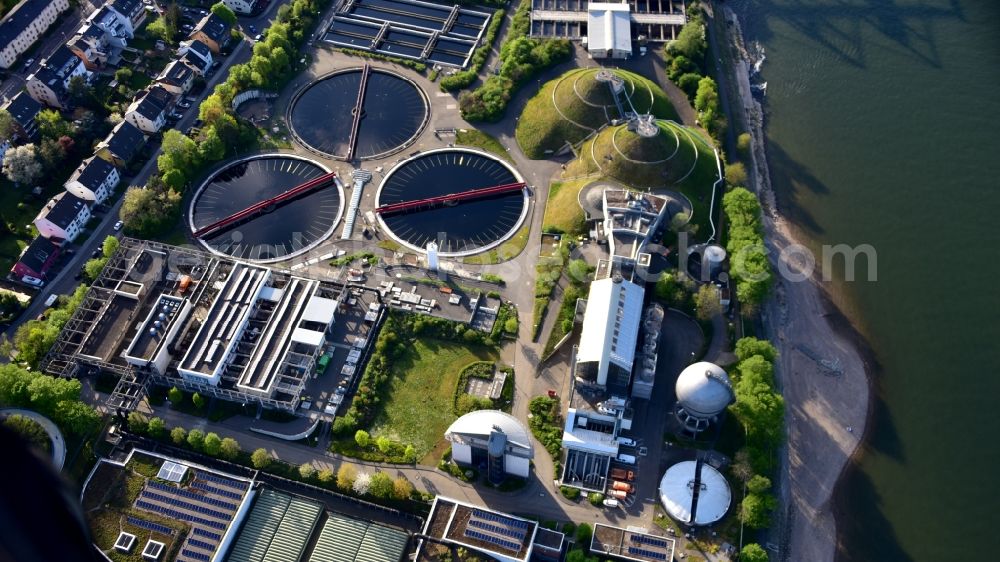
703, 392
492, 437
695, 493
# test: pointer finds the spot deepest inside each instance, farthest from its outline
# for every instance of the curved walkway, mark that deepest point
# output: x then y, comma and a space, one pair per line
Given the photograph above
55, 436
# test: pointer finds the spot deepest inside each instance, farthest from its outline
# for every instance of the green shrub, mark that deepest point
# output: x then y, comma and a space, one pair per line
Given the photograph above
570, 493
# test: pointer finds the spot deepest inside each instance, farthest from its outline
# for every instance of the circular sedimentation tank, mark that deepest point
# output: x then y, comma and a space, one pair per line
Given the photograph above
462, 227
393, 111
277, 231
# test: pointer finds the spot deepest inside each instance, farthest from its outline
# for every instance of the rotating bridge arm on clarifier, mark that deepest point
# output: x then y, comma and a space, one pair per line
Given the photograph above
359, 103
301, 189
431, 202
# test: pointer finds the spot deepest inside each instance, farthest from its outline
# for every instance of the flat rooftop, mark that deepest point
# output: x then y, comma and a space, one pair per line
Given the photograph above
492, 532
224, 319
631, 545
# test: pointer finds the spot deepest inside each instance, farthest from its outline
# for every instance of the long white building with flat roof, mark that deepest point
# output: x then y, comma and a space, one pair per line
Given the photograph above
610, 331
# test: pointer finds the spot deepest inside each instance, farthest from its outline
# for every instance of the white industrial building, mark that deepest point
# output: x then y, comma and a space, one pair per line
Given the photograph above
695, 493
703, 393
610, 331
494, 438
609, 30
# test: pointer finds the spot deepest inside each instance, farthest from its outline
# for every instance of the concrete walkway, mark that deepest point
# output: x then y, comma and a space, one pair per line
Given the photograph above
55, 436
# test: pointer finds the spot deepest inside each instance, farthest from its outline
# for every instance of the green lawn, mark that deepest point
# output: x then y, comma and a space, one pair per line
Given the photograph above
483, 141
562, 210
419, 405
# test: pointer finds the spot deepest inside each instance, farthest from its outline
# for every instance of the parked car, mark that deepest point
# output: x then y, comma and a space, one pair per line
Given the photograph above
51, 300
33, 281
118, 226
626, 441
96, 253
184, 104
610, 503
258, 37
626, 459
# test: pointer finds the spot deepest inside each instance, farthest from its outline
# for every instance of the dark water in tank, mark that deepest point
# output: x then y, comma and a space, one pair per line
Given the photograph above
290, 226
883, 120
394, 112
465, 226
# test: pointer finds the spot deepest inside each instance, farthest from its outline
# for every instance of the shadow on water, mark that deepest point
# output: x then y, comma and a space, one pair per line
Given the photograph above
841, 29
867, 538
791, 177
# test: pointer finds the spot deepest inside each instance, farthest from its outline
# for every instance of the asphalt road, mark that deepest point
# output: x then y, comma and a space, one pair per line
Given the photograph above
63, 282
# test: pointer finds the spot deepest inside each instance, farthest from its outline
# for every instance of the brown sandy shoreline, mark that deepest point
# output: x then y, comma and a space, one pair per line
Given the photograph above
825, 371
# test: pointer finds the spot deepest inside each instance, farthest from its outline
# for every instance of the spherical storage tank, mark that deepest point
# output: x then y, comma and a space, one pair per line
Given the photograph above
703, 392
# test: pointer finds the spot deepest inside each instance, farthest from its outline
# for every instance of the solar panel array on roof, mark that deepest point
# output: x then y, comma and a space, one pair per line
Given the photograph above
345, 539
277, 529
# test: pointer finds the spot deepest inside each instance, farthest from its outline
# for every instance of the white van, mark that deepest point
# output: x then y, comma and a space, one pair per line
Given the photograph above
51, 300
626, 459
626, 441
610, 503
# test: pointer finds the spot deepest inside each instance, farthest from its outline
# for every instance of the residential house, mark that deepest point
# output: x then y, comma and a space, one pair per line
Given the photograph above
121, 145
132, 11
23, 110
91, 45
49, 84
37, 259
244, 7
94, 180
63, 218
117, 27
149, 110
212, 31
177, 78
24, 24
197, 55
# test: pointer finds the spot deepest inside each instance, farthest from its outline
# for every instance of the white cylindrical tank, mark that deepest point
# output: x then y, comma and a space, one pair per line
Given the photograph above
712, 259
432, 256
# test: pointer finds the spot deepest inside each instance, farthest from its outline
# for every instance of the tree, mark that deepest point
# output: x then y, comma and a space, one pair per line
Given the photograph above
198, 400
196, 439
326, 476
93, 267
51, 124
7, 126
224, 13
583, 533
176, 396
79, 91
401, 488
77, 417
759, 484
690, 41
744, 143
749, 346
361, 483
229, 449
689, 84
753, 553
261, 459
346, 475
213, 444
123, 75
137, 423
362, 439
741, 466
755, 511
579, 271
307, 471
410, 454
384, 444
736, 174
21, 164
706, 302
109, 246
51, 154
174, 179
178, 435
157, 427
160, 28
211, 147
381, 485
178, 152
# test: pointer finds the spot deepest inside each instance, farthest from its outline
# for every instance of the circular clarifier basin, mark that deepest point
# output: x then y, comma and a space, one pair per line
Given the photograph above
460, 226
273, 232
392, 113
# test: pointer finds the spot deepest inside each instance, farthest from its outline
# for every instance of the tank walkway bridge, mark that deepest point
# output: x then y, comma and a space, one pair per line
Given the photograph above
449, 199
266, 205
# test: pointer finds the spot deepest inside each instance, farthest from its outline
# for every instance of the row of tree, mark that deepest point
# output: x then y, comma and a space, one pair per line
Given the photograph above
521, 57
749, 265
686, 67
760, 409
59, 140
34, 338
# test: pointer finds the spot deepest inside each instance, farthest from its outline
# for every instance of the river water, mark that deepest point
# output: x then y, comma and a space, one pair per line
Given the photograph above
884, 129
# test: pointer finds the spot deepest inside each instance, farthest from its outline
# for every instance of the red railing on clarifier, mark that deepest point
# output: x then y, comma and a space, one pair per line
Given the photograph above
430, 202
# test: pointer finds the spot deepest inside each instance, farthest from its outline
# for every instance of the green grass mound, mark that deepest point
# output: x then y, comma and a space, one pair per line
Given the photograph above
684, 163
570, 107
